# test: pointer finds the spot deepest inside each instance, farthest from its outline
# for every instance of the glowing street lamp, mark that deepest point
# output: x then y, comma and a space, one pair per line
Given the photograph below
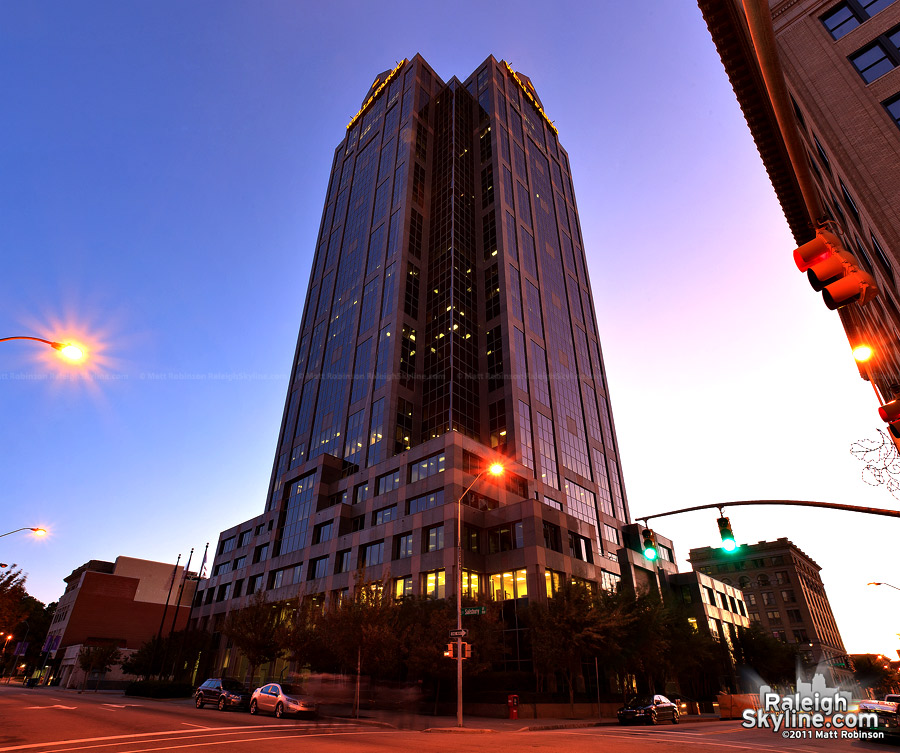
69, 351
495, 469
884, 584
36, 531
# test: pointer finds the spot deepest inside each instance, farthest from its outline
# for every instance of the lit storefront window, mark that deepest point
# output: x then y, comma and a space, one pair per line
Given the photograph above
403, 587
434, 584
511, 585
470, 584
552, 580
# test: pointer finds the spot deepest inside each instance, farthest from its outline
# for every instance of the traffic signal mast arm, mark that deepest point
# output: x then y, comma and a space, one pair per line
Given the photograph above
799, 503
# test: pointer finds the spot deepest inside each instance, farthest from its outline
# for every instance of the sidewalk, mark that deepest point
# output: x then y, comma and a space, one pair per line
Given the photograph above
487, 725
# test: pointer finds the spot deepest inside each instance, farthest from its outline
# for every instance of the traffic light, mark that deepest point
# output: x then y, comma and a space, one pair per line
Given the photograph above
728, 542
890, 412
450, 652
648, 544
467, 650
834, 271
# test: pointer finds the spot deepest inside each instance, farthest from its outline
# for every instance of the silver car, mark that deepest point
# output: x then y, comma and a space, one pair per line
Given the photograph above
278, 699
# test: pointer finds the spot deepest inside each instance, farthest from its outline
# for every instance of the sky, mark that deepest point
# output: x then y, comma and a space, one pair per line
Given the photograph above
164, 169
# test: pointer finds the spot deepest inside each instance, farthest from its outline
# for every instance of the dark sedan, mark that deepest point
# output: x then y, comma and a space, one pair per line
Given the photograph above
648, 709
223, 693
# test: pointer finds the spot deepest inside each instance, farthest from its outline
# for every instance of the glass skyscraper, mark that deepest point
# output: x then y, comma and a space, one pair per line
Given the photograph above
448, 323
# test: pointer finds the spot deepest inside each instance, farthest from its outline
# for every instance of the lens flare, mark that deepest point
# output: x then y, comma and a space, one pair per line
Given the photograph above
72, 352
862, 353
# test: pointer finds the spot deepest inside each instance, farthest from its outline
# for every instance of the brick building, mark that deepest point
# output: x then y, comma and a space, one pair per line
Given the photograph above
120, 603
785, 596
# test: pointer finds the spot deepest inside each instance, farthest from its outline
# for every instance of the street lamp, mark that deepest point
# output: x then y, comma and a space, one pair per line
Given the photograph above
37, 531
883, 584
495, 469
70, 351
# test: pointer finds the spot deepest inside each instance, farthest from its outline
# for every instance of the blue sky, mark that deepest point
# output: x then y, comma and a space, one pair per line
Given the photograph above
165, 166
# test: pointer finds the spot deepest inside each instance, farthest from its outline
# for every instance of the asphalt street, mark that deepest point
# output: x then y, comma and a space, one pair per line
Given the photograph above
53, 721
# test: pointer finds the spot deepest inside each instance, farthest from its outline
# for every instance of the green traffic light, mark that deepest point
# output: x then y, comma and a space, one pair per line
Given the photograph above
648, 544
728, 542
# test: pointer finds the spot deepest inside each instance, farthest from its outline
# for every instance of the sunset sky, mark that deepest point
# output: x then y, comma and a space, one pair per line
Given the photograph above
164, 169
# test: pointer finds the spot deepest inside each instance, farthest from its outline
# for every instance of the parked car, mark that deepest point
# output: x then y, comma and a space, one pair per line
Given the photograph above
648, 709
279, 699
888, 714
222, 692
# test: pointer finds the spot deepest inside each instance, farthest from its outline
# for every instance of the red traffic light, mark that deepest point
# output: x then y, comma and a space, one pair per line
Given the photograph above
817, 250
834, 271
890, 412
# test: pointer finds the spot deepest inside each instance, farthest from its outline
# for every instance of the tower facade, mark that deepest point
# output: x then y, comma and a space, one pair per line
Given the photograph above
448, 324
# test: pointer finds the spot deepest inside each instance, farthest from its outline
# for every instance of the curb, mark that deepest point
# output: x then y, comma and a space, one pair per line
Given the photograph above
461, 730
361, 722
573, 725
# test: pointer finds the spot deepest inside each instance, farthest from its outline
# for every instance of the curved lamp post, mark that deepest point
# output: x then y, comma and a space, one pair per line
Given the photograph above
68, 350
37, 531
495, 469
883, 584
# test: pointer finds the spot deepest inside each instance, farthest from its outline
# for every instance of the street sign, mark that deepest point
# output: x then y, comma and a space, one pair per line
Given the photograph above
459, 633
468, 611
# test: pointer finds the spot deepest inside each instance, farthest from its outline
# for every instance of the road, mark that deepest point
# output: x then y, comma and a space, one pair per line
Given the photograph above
53, 721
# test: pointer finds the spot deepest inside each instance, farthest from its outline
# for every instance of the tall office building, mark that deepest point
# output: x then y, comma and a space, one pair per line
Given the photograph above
448, 323
840, 62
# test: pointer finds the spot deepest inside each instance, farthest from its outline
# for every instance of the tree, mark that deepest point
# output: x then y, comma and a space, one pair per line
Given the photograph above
98, 659
301, 635
254, 630
147, 660
876, 674
361, 630
573, 626
12, 594
695, 658
758, 652
184, 650
647, 646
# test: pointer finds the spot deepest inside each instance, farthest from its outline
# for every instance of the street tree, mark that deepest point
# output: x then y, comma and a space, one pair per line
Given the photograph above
646, 647
12, 595
574, 626
361, 632
758, 653
147, 660
695, 658
301, 635
254, 630
99, 659
875, 673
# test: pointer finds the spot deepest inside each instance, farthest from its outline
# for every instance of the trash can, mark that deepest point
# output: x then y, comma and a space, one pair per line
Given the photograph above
512, 701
